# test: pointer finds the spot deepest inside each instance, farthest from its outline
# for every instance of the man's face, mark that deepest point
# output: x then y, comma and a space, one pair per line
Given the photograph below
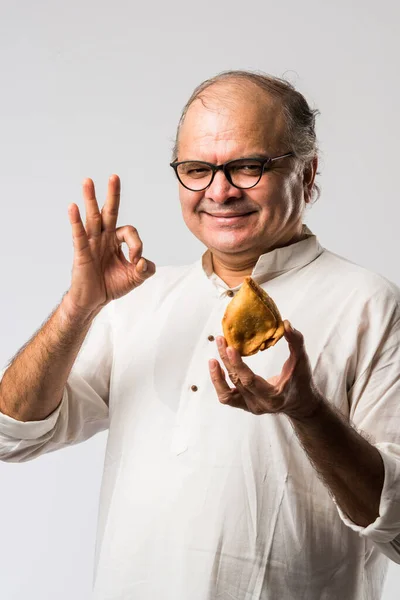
226, 219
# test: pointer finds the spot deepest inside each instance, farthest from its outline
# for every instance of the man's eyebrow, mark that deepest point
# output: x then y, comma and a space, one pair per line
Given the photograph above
256, 155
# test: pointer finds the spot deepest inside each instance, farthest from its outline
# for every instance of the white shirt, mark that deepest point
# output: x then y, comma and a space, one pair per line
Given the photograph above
202, 501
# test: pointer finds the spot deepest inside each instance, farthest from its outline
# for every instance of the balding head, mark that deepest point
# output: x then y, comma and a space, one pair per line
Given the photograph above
271, 97
229, 121
235, 107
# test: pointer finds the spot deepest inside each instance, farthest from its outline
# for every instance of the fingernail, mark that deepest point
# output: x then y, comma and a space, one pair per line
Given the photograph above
144, 266
213, 365
219, 341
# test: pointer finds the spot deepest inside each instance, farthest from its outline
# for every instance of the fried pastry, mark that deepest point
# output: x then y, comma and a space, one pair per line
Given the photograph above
252, 321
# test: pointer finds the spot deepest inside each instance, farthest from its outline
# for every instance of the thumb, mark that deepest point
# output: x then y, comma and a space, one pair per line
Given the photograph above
144, 269
294, 338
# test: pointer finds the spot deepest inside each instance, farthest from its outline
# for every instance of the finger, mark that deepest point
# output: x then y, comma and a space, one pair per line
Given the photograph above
226, 395
222, 346
79, 236
93, 216
243, 372
249, 381
298, 360
144, 269
130, 236
218, 378
109, 212
295, 340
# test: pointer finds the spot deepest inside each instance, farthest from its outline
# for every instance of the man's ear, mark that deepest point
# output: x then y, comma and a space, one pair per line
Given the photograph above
310, 170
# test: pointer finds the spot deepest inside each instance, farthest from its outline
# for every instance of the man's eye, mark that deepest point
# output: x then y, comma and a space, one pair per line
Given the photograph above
197, 171
250, 168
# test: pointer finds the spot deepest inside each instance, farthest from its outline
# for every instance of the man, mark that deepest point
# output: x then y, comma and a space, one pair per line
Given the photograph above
223, 478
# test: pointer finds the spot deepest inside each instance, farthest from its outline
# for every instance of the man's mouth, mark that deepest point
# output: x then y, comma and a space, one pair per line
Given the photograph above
227, 215
229, 218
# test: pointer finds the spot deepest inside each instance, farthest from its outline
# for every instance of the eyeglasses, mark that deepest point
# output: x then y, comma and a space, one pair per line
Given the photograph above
243, 173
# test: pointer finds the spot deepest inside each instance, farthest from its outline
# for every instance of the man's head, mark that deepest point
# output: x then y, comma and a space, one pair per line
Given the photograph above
239, 115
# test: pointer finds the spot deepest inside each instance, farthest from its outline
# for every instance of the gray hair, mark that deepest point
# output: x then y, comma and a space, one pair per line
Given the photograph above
299, 117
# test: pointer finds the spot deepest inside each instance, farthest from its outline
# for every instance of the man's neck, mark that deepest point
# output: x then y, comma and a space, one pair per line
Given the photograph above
232, 275
232, 269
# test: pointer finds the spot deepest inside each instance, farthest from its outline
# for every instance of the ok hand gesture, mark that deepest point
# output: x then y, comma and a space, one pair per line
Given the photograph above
101, 272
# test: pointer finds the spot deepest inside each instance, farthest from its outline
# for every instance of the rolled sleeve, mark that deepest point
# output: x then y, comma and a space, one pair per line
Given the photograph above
384, 532
29, 430
374, 400
83, 410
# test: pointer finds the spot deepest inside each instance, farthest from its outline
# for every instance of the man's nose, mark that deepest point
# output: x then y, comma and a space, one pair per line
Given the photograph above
221, 190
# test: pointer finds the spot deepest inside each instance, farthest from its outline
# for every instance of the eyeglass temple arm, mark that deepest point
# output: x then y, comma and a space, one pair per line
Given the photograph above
283, 156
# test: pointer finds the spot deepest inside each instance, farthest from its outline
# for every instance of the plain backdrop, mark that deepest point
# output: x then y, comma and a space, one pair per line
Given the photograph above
90, 88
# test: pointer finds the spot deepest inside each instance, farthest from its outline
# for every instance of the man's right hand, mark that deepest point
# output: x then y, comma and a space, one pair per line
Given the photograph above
101, 272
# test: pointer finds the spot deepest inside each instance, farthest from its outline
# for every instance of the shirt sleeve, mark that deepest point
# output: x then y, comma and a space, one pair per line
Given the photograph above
83, 410
375, 412
384, 531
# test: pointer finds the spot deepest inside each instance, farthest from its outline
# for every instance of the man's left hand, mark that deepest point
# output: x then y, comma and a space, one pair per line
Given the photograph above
292, 392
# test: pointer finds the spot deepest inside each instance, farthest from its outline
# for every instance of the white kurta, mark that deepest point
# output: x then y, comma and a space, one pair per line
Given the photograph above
202, 501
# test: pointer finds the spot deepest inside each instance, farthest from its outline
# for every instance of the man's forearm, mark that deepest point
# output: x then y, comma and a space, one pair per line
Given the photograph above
350, 467
32, 386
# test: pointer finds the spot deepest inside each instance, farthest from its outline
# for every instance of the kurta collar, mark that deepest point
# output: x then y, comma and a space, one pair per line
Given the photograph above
273, 263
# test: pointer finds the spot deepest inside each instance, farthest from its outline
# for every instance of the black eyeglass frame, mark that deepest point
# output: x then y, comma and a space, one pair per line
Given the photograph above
224, 167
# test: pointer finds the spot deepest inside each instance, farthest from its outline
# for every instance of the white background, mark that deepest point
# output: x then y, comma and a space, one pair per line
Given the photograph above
89, 88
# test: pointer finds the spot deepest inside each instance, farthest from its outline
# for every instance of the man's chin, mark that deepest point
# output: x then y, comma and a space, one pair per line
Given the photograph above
229, 244
227, 240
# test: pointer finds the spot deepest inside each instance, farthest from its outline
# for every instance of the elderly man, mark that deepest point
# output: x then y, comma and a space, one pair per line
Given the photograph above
270, 477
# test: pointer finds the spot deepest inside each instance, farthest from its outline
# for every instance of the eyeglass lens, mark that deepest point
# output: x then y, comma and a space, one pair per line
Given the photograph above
197, 175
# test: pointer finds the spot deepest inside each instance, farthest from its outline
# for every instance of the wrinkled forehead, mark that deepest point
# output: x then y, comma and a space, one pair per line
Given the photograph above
228, 120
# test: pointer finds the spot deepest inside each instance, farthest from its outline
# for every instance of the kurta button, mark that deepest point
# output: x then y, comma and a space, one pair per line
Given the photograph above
211, 338
230, 293
194, 388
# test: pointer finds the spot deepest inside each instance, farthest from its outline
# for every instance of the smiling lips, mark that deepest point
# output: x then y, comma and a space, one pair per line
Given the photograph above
228, 215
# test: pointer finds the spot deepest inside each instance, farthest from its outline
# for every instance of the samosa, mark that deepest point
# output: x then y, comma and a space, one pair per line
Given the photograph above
252, 321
